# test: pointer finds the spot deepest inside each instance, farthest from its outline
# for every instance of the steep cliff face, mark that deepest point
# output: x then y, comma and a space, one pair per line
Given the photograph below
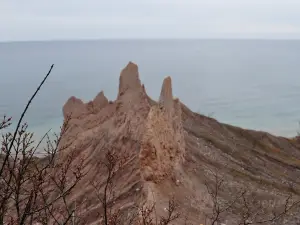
169, 151
163, 145
101, 125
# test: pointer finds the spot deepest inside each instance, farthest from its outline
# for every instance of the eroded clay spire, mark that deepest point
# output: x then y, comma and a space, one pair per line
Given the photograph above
129, 79
166, 95
74, 107
100, 101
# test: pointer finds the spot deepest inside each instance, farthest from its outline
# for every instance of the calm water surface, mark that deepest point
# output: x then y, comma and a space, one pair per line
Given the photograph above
248, 83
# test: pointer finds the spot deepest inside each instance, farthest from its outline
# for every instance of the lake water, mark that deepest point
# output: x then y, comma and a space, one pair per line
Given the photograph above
249, 83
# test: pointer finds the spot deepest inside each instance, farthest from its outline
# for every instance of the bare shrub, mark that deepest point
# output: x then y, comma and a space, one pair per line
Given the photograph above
33, 189
244, 205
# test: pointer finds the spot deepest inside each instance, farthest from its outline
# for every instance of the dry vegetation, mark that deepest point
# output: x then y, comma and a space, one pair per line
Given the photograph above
249, 207
37, 189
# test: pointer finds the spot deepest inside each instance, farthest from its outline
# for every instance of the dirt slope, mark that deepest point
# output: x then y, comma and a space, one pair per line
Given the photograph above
170, 151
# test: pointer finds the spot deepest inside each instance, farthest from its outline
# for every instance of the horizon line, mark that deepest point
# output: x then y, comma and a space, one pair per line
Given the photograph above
147, 39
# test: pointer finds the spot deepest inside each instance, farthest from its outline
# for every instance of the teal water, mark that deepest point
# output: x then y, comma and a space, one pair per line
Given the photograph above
249, 83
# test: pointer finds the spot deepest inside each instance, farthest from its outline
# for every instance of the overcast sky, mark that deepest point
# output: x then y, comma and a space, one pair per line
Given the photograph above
95, 19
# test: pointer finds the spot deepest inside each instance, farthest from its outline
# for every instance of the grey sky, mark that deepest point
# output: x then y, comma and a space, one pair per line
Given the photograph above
81, 19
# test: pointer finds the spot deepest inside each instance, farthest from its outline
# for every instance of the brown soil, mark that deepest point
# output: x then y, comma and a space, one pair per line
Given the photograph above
170, 151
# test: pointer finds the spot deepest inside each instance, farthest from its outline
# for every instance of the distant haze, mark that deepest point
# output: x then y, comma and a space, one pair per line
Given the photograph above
118, 19
249, 83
